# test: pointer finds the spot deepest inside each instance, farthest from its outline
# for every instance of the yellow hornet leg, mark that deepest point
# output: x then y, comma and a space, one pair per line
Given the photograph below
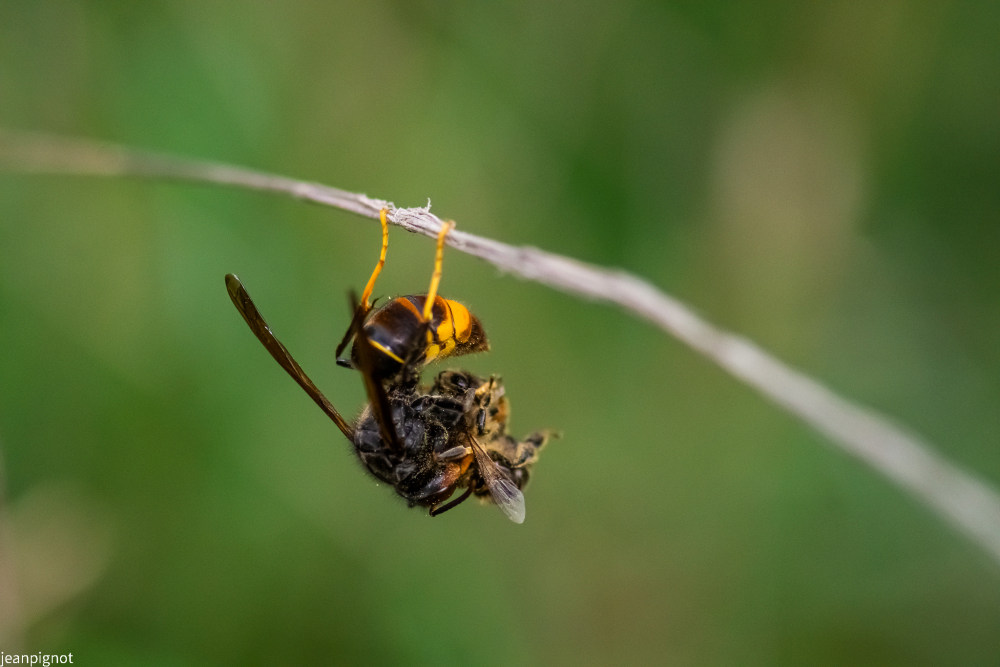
366, 295
436, 276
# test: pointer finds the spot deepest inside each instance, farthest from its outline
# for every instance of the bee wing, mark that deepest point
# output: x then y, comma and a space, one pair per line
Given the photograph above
244, 304
505, 493
373, 386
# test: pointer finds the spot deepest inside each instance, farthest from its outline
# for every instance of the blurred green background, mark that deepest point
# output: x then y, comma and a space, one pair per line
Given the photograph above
821, 177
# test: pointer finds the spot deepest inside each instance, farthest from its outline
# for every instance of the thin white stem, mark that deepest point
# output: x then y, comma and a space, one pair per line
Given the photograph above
958, 496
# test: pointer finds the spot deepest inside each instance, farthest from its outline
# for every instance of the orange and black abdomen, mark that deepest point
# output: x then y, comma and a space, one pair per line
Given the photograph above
395, 332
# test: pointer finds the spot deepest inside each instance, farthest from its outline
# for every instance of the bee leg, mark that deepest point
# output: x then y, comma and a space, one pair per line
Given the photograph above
439, 509
365, 304
453, 454
446, 227
425, 323
484, 394
366, 295
525, 453
357, 320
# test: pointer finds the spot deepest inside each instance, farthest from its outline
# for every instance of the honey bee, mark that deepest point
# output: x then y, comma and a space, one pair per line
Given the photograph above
502, 462
426, 442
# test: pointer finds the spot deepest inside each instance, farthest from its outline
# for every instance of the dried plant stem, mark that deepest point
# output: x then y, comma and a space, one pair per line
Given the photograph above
959, 497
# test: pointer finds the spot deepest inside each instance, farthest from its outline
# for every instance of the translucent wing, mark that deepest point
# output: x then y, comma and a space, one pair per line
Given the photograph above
244, 304
505, 493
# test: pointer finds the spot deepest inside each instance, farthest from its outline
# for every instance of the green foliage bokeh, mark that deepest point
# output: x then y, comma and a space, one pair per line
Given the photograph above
819, 177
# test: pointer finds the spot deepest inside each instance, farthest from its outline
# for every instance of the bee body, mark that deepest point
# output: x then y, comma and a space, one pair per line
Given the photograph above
401, 338
425, 442
435, 427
